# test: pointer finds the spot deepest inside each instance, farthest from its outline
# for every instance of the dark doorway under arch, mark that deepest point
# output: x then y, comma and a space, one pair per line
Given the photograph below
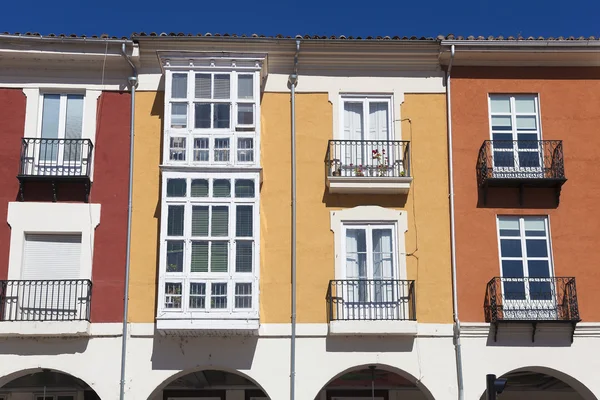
212, 385
47, 384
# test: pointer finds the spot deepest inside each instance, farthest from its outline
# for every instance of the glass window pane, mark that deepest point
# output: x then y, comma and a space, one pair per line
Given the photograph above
202, 90
508, 226
50, 114
245, 150
197, 295
525, 104
199, 188
176, 187
382, 254
221, 87
243, 295
175, 221
243, 221
218, 257
526, 122
220, 221
221, 117
529, 159
245, 114
510, 248
200, 221
535, 226
177, 149
175, 255
74, 123
199, 257
500, 104
201, 151
172, 295
243, 256
244, 188
536, 248
502, 140
202, 115
540, 289
245, 87
179, 86
538, 268
221, 188
512, 269
218, 298
501, 123
514, 289
178, 115
504, 159
222, 150
356, 256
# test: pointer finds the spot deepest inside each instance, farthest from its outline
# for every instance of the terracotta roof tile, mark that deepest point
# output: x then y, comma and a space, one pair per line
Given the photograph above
63, 35
279, 36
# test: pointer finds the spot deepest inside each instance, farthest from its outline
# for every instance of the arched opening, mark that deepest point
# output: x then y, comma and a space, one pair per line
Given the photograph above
46, 384
373, 383
210, 385
542, 384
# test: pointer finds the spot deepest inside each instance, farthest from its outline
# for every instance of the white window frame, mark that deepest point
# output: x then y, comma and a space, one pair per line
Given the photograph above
522, 238
230, 277
366, 99
233, 133
374, 215
62, 116
368, 228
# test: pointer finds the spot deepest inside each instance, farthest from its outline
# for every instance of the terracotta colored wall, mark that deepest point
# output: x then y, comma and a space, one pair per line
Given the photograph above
12, 115
570, 111
110, 189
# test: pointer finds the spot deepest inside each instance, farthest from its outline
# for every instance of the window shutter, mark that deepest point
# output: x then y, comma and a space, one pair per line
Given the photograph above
218, 259
221, 87
199, 257
220, 221
51, 256
245, 87
378, 121
200, 221
179, 86
243, 256
202, 89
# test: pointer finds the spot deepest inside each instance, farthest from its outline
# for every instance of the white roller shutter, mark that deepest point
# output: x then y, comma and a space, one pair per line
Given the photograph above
51, 256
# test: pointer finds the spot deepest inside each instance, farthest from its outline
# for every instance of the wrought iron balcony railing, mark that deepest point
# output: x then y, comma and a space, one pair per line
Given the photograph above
520, 160
45, 300
368, 158
371, 300
69, 158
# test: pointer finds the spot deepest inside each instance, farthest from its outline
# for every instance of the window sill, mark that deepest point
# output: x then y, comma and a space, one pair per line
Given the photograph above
392, 328
368, 184
44, 328
170, 325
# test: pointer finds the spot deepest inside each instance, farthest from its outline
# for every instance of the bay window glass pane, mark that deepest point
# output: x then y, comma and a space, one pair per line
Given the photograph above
202, 89
222, 149
221, 86
244, 188
199, 257
179, 86
201, 151
243, 221
218, 297
245, 150
199, 188
178, 115
221, 188
500, 104
175, 220
245, 114
525, 104
177, 149
175, 255
243, 256
202, 115
172, 295
220, 221
218, 256
200, 221
245, 87
176, 187
197, 295
221, 115
243, 295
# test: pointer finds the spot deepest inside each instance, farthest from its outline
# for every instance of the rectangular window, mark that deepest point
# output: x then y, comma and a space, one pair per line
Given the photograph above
515, 134
525, 261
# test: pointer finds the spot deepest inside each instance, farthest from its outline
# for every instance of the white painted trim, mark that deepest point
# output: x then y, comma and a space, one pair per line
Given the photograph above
26, 217
365, 214
371, 185
171, 326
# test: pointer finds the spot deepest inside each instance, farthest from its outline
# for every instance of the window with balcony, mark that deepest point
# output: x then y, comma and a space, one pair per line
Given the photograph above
209, 250
212, 117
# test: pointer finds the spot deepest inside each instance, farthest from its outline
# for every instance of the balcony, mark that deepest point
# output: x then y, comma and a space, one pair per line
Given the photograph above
368, 166
371, 307
45, 307
520, 164
532, 301
55, 161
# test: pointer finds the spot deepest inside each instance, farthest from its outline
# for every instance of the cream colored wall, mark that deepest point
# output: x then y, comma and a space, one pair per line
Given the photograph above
146, 206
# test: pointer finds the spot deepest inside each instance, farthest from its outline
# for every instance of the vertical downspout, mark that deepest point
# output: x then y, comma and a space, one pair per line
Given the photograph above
457, 346
293, 81
132, 83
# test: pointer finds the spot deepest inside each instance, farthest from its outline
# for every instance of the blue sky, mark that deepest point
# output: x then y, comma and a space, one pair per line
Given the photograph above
325, 17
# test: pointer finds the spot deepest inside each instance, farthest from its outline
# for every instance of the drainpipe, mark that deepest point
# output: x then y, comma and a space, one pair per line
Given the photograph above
293, 81
457, 347
132, 84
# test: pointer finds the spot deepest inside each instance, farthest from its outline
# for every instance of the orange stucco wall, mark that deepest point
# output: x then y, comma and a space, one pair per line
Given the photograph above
570, 111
